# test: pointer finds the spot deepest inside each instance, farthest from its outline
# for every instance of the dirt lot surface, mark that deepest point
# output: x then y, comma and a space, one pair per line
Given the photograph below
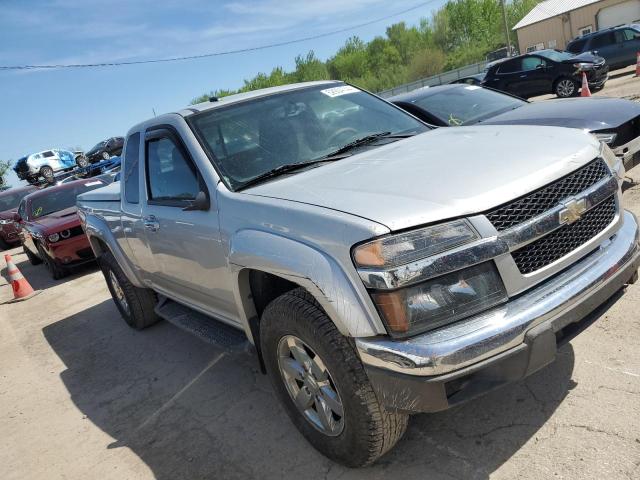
82, 396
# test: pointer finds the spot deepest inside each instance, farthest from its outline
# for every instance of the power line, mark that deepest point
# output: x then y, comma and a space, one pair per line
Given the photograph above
217, 54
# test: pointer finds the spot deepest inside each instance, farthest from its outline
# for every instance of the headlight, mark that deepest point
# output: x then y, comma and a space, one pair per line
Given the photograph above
442, 300
583, 66
5, 222
65, 234
414, 245
54, 237
606, 137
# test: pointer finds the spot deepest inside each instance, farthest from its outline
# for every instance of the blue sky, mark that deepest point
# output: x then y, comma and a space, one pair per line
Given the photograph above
78, 107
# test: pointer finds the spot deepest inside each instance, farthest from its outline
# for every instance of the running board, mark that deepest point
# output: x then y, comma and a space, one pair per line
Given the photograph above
202, 326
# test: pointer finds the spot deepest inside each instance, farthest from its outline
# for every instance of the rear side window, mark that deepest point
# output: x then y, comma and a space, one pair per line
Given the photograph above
172, 177
131, 169
577, 46
602, 40
47, 154
531, 63
509, 67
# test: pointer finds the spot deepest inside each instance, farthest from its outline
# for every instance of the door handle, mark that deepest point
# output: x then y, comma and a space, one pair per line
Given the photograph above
151, 223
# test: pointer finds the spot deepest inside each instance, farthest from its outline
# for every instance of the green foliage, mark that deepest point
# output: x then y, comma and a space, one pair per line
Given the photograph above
460, 33
5, 165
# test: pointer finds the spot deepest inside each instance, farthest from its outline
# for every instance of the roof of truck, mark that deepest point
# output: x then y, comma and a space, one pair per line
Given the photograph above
239, 97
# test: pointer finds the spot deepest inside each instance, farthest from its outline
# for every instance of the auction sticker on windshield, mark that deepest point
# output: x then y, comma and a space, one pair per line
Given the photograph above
337, 91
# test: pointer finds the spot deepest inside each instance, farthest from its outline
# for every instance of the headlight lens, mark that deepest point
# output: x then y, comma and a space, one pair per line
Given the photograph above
54, 237
442, 300
583, 66
5, 222
407, 247
65, 234
606, 137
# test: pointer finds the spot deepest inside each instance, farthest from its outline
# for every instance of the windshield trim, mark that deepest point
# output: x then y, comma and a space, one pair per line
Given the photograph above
222, 177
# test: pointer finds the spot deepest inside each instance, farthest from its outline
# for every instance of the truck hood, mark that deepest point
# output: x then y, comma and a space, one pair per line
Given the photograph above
441, 174
595, 113
54, 222
108, 193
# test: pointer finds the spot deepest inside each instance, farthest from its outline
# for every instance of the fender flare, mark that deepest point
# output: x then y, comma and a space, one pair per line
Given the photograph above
97, 229
350, 310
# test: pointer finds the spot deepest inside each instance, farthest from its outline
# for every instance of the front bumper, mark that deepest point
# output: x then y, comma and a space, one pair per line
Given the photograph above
444, 367
630, 153
72, 251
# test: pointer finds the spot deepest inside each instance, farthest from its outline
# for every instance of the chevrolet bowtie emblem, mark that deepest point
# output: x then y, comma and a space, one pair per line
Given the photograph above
573, 211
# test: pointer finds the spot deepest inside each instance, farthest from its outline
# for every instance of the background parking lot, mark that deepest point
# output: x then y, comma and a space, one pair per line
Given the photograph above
84, 396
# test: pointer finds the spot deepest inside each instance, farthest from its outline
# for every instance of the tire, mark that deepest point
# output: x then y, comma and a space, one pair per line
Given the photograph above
4, 245
33, 258
566, 87
105, 156
82, 161
46, 172
57, 271
137, 309
367, 429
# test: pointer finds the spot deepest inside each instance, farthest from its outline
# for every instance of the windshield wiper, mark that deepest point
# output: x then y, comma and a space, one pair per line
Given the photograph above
359, 142
281, 170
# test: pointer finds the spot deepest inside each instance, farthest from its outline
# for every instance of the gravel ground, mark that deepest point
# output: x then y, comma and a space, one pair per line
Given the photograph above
83, 396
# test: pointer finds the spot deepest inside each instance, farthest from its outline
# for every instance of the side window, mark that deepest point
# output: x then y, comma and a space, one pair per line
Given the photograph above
48, 154
602, 40
171, 176
577, 46
509, 67
132, 169
531, 63
630, 34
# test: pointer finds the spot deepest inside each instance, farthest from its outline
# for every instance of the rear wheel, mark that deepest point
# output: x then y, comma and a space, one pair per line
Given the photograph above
106, 156
136, 305
46, 172
57, 271
33, 258
322, 384
82, 161
566, 87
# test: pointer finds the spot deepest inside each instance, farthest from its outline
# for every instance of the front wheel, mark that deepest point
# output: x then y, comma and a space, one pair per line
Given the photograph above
82, 161
566, 87
106, 156
57, 271
136, 305
322, 384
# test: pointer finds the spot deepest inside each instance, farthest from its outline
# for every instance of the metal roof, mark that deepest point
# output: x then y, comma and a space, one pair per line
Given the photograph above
551, 8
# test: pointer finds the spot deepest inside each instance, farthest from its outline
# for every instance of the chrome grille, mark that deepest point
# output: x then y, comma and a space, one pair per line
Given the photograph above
567, 238
541, 200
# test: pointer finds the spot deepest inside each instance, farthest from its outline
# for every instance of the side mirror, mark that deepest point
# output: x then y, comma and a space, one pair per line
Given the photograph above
540, 66
201, 202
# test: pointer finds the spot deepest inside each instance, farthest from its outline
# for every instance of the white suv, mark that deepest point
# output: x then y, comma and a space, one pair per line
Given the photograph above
46, 163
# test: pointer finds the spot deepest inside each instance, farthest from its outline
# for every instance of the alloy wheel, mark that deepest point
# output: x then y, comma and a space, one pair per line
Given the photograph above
310, 385
565, 88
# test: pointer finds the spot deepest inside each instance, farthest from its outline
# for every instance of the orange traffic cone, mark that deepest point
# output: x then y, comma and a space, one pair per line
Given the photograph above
638, 64
585, 92
21, 288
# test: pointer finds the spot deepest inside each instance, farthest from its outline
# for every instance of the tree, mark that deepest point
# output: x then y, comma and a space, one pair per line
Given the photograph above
5, 165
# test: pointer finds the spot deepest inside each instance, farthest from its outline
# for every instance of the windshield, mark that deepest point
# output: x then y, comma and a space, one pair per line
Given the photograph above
555, 55
54, 200
466, 105
250, 138
9, 201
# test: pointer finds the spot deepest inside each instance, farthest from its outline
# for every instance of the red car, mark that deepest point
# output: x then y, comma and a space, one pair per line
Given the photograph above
9, 200
50, 227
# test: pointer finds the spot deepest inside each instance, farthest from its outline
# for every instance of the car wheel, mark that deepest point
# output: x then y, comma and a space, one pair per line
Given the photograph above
566, 87
33, 258
46, 172
4, 245
106, 156
322, 384
82, 161
136, 305
32, 180
57, 272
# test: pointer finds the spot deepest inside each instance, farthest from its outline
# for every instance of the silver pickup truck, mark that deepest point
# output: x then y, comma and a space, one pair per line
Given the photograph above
379, 268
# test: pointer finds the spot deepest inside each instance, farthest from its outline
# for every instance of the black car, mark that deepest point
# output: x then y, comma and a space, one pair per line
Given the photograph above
614, 121
105, 149
547, 71
618, 45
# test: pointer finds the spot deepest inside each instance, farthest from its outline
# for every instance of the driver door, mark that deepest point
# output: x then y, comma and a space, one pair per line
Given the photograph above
185, 244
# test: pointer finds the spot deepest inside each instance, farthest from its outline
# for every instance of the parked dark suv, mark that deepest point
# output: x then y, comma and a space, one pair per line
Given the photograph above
547, 71
618, 45
105, 149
